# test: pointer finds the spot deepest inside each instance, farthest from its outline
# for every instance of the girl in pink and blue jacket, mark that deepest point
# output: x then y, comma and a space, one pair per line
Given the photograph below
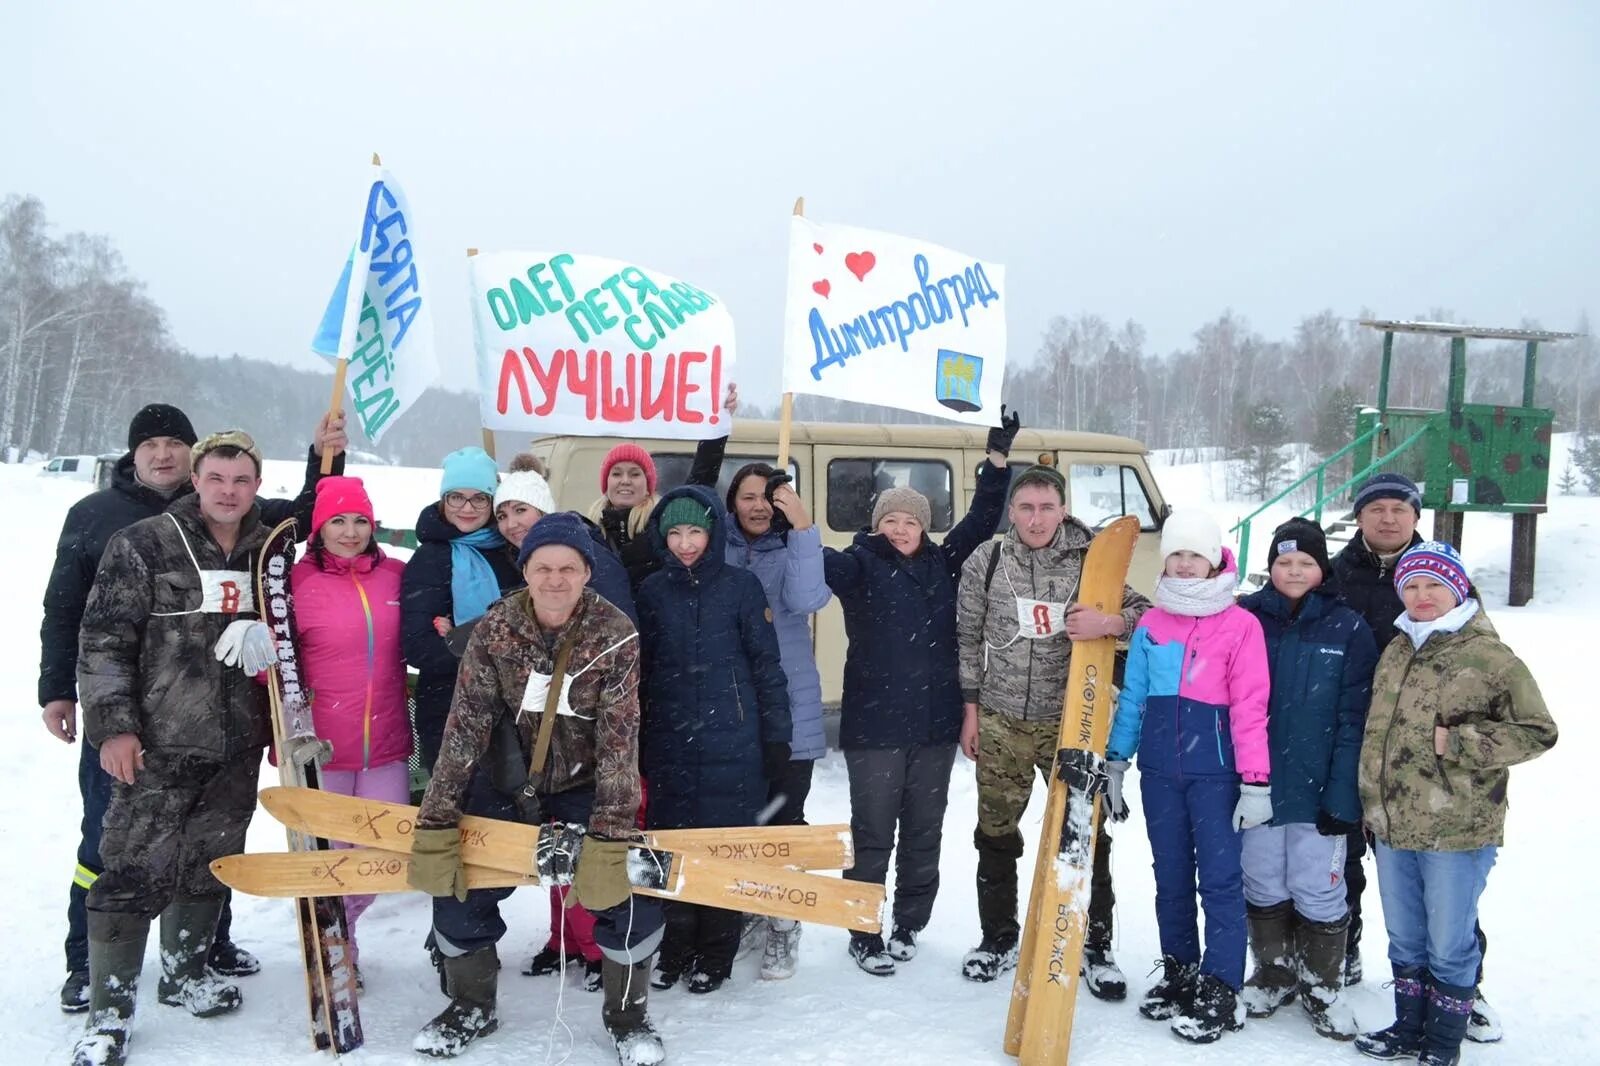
347, 627
1194, 708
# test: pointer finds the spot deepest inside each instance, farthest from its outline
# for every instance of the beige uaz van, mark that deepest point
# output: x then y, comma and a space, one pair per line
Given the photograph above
838, 468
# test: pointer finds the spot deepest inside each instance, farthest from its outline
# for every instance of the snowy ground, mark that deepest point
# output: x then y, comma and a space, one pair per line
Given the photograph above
1544, 940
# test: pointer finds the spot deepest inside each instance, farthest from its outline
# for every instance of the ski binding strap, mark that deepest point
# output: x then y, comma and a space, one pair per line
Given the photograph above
556, 854
1083, 770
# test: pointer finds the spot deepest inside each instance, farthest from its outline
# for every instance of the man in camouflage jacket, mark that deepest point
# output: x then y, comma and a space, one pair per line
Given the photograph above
590, 777
169, 646
1015, 621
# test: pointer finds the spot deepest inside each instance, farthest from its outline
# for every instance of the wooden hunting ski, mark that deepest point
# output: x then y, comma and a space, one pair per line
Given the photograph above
324, 934
1044, 992
682, 864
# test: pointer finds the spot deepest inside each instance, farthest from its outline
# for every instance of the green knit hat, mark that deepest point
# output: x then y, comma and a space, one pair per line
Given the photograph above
684, 511
1040, 475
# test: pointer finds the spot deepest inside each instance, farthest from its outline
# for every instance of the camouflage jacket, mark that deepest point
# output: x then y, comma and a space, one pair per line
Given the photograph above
1474, 686
1004, 669
145, 648
595, 742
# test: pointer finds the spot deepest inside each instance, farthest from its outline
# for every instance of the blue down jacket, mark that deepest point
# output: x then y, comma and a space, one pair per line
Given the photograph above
789, 566
1321, 660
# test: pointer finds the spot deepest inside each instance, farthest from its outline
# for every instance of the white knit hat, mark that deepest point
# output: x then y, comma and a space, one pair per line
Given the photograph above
1194, 531
526, 486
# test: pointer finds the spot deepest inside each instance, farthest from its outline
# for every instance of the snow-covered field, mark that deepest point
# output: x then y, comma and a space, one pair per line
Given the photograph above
1544, 941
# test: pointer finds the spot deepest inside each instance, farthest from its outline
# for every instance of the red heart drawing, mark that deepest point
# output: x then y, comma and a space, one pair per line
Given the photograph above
860, 264
817, 248
821, 288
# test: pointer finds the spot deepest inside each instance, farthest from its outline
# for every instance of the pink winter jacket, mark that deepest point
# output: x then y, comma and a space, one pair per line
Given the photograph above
347, 618
1194, 695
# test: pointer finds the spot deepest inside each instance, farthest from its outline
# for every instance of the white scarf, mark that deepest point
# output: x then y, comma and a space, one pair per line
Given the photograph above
1196, 597
1449, 622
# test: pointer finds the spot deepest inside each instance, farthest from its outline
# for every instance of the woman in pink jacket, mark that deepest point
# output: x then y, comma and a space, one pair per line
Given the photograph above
1194, 707
347, 622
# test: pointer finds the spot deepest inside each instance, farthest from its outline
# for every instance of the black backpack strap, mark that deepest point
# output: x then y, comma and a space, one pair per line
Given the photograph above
994, 561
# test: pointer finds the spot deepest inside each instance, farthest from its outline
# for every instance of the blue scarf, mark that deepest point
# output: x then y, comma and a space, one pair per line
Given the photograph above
473, 586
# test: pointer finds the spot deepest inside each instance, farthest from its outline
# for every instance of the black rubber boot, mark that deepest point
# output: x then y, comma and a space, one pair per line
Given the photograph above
473, 978
626, 1012
1444, 1025
188, 927
997, 885
1271, 983
116, 957
1321, 952
1403, 1039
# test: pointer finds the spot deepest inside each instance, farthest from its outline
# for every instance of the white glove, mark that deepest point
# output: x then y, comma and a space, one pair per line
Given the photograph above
1116, 806
247, 644
1254, 807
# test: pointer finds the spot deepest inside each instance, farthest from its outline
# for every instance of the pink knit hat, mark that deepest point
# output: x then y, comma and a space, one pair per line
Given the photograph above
340, 495
629, 453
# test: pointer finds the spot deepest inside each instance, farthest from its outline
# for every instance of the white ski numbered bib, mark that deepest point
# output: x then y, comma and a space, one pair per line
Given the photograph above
1040, 619
221, 591
538, 688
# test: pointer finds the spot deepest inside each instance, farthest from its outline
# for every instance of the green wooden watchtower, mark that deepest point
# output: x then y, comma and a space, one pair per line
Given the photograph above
1470, 456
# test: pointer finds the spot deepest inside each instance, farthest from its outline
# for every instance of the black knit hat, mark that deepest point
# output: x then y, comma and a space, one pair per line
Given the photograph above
159, 420
1300, 535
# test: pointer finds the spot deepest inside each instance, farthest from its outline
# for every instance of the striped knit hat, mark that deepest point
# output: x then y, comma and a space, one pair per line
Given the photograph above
1435, 559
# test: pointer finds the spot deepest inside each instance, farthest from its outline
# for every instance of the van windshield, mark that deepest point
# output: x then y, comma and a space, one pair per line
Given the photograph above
672, 470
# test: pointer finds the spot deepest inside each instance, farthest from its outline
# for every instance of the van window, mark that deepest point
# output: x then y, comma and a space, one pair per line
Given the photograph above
672, 470
1100, 492
1012, 470
53, 465
69, 466
853, 484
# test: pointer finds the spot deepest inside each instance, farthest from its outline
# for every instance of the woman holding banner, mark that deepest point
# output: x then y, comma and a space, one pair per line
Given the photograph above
773, 537
628, 485
460, 567
901, 711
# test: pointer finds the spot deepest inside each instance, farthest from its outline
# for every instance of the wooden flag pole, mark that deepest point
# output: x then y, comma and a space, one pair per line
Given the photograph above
488, 434
352, 303
786, 411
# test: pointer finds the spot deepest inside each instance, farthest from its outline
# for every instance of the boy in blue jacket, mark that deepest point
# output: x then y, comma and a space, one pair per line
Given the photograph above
1321, 656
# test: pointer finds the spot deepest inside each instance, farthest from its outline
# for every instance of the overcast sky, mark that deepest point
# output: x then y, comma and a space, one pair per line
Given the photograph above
1144, 161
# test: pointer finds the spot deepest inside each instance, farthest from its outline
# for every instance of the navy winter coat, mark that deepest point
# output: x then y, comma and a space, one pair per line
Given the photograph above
424, 596
714, 690
901, 681
1321, 659
89, 525
789, 566
1366, 584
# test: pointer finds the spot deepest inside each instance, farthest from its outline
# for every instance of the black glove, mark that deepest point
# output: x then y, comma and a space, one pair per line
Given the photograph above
774, 759
1001, 436
780, 521
1329, 826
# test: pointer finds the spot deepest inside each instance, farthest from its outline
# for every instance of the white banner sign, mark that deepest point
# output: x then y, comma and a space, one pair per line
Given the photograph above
580, 344
383, 326
889, 320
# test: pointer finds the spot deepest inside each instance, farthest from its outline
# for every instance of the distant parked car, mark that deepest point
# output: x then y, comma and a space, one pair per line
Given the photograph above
95, 469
